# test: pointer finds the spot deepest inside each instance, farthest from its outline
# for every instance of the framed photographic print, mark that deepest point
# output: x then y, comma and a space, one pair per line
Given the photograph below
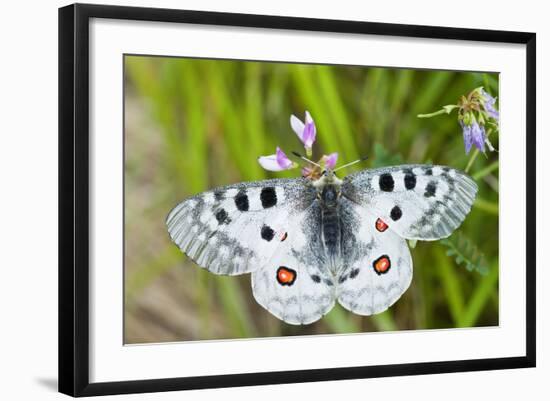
250, 199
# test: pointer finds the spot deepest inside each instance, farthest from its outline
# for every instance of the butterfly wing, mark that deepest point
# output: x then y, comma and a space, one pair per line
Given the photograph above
417, 201
376, 266
235, 229
294, 285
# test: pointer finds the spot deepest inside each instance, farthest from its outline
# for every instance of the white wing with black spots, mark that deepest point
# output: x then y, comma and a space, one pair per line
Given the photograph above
417, 201
377, 264
295, 285
235, 229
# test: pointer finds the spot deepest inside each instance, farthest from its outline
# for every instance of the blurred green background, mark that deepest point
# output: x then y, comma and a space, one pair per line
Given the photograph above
193, 124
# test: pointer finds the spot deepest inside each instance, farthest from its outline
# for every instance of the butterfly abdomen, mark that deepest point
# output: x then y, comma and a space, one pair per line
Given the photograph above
331, 230
330, 225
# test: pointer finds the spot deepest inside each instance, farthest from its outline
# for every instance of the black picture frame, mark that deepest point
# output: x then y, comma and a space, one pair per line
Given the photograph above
74, 198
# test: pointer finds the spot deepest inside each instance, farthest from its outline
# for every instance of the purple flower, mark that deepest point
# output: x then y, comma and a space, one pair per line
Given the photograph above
489, 105
467, 134
307, 171
330, 160
277, 162
478, 136
474, 134
306, 131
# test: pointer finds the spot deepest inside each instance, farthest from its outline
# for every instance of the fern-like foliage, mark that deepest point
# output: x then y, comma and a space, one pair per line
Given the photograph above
464, 252
384, 158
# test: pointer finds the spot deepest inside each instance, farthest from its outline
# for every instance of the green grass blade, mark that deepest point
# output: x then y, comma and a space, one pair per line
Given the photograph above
340, 126
235, 307
486, 206
481, 296
485, 171
451, 286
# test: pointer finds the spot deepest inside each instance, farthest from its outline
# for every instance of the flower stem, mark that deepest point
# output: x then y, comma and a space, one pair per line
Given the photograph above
435, 113
475, 154
472, 160
445, 110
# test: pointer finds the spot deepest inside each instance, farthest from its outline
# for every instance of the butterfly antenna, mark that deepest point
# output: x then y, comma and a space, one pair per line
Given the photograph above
306, 159
352, 163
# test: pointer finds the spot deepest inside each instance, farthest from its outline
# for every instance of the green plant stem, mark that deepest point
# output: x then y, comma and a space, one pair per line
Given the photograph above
485, 171
471, 161
435, 113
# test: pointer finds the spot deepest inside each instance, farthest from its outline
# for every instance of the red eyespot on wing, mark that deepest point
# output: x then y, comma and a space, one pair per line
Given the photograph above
382, 264
380, 225
285, 275
284, 236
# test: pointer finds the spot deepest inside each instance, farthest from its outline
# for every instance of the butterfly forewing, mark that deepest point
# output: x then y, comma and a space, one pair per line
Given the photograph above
416, 201
235, 229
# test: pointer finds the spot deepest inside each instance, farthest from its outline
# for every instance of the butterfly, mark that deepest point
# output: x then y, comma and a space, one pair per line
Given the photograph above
309, 243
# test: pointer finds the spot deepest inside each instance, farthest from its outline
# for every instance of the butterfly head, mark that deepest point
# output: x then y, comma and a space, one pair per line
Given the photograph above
328, 188
330, 177
326, 177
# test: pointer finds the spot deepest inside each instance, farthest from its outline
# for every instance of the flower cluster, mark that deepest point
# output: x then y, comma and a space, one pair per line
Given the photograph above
306, 132
475, 112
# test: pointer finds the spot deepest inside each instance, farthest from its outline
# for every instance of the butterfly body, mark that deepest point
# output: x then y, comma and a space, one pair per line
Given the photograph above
310, 243
328, 192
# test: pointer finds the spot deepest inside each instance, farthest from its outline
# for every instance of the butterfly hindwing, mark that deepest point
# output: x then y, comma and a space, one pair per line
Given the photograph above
235, 229
376, 266
294, 285
417, 201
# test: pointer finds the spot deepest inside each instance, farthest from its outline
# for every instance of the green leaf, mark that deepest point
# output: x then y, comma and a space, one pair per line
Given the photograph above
465, 253
384, 158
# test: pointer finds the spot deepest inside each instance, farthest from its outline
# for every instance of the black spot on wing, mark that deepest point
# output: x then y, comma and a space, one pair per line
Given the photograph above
221, 216
396, 213
430, 189
219, 195
353, 273
268, 196
241, 201
315, 278
410, 179
428, 171
267, 233
386, 182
